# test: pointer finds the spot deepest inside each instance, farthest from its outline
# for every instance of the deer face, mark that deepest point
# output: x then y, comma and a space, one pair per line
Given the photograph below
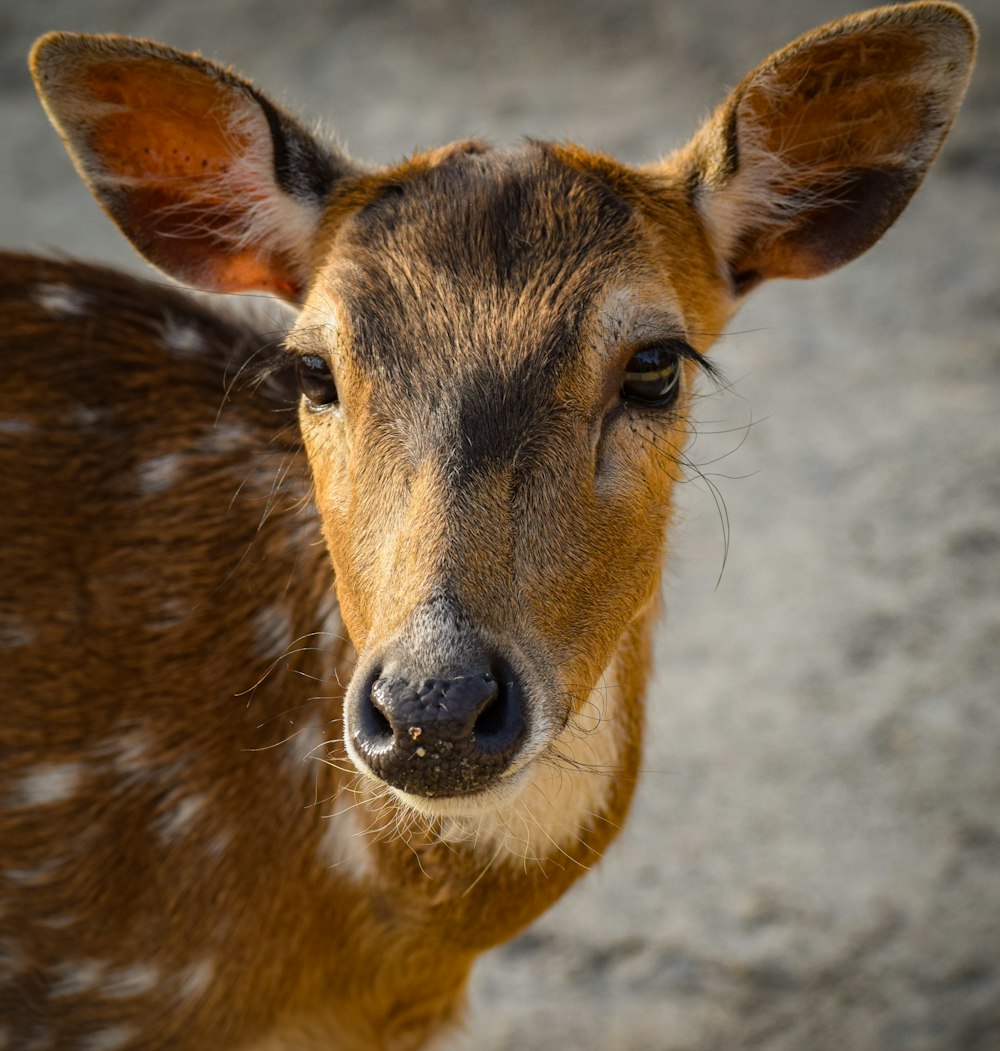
496, 350
495, 366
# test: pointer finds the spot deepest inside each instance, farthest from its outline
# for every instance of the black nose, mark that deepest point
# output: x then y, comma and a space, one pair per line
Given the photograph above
440, 737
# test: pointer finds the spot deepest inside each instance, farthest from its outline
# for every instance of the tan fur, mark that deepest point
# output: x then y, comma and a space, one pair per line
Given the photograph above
195, 851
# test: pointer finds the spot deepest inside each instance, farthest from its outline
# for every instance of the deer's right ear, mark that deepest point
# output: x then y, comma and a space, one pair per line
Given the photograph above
816, 153
208, 179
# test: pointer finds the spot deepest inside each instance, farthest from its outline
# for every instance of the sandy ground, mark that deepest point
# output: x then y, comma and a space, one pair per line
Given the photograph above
813, 863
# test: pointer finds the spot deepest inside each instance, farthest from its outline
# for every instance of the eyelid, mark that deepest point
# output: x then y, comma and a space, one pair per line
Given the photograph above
311, 356
677, 343
304, 350
652, 374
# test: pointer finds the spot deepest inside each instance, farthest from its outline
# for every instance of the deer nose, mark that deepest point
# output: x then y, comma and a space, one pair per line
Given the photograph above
440, 737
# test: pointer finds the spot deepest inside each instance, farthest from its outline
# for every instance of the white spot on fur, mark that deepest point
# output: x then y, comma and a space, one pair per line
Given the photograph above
58, 923
42, 1040
181, 338
342, 848
85, 417
15, 631
159, 473
304, 531
177, 823
132, 753
225, 437
272, 631
169, 614
331, 622
113, 1038
195, 980
221, 843
37, 876
60, 300
306, 748
15, 426
329, 637
49, 783
128, 982
74, 977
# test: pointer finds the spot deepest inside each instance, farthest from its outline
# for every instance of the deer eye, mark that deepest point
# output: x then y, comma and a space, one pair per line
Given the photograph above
653, 375
315, 380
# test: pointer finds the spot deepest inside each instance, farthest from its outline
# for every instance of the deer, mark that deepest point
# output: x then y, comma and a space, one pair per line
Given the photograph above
325, 638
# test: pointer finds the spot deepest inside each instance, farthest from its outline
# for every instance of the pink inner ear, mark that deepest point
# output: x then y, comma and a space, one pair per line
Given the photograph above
170, 121
844, 102
197, 240
181, 158
244, 271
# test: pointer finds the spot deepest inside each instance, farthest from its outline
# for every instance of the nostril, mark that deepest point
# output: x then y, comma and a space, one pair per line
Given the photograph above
380, 725
374, 723
501, 721
491, 721
493, 716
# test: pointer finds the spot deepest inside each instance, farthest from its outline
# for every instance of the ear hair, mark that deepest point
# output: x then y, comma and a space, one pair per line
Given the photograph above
819, 149
209, 179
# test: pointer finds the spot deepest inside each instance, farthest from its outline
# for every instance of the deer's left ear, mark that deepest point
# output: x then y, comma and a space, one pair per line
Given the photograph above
208, 179
816, 153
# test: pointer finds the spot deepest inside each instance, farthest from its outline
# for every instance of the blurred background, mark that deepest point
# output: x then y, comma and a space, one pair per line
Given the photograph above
813, 863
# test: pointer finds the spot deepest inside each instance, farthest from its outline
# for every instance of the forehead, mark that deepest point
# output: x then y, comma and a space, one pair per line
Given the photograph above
506, 252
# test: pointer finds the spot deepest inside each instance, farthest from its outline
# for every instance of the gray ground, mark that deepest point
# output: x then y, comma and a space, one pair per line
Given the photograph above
813, 863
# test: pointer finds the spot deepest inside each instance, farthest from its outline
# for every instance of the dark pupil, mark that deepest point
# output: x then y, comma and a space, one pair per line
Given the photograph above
316, 380
652, 376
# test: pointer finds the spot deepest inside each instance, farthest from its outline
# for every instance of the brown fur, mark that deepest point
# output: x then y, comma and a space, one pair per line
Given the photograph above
176, 875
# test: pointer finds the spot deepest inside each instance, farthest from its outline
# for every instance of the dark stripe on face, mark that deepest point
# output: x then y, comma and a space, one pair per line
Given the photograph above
499, 419
466, 287
484, 255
